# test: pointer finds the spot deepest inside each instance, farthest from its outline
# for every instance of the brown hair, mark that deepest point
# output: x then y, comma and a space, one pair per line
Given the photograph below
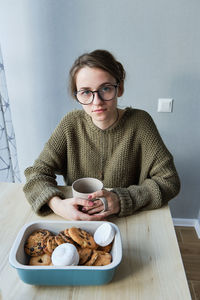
97, 59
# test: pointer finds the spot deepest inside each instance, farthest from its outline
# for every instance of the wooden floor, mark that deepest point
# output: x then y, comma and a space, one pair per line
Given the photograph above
189, 245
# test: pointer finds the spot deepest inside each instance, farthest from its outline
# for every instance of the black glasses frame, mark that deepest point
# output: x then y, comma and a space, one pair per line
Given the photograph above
99, 95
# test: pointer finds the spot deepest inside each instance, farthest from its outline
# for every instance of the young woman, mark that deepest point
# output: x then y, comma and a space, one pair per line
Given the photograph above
121, 147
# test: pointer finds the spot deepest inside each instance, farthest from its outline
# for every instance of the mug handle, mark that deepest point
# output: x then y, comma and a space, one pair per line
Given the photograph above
105, 203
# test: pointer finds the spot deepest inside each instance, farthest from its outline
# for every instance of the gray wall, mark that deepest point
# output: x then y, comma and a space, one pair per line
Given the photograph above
158, 42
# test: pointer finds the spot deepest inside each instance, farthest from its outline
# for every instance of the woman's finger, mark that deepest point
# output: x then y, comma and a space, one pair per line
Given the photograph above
82, 202
96, 204
98, 194
95, 210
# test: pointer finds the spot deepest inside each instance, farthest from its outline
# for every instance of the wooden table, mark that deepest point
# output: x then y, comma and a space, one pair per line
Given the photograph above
151, 267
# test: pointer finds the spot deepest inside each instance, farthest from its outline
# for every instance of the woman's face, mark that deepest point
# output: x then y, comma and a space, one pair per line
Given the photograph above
102, 112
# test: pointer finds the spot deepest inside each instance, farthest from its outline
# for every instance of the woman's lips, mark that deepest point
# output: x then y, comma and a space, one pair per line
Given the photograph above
100, 110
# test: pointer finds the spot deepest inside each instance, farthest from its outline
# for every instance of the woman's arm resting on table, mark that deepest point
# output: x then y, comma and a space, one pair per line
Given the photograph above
152, 193
41, 183
158, 182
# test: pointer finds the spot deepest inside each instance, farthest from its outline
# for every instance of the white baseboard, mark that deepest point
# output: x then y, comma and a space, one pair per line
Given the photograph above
188, 223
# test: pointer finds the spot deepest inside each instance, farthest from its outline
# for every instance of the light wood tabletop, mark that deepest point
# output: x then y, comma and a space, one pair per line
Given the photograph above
151, 266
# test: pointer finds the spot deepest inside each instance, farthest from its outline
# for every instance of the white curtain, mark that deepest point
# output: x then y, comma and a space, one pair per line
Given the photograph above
9, 170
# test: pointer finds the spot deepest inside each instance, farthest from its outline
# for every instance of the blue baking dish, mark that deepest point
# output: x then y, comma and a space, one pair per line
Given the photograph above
68, 275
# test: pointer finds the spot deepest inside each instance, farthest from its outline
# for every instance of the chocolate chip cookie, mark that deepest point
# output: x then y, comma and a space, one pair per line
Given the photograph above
41, 260
82, 237
84, 255
49, 244
34, 243
103, 258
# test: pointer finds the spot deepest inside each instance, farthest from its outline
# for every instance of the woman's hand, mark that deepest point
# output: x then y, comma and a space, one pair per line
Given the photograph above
97, 208
69, 209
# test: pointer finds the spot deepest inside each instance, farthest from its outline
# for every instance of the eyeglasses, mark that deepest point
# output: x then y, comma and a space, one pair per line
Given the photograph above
106, 93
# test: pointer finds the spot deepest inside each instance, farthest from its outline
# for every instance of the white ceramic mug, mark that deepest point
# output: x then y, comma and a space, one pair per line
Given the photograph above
83, 187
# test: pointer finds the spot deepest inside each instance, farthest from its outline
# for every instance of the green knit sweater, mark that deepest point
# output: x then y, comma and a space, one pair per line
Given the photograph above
130, 157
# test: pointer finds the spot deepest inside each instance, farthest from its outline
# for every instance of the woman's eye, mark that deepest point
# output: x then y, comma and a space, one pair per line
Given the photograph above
106, 89
85, 93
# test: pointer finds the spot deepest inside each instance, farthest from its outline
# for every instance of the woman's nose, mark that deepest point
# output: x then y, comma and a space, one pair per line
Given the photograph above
96, 99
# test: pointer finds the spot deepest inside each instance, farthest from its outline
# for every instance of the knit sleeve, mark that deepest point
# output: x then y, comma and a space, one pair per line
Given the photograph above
159, 181
41, 183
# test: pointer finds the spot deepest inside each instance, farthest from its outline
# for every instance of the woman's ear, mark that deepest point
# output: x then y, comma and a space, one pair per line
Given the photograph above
120, 89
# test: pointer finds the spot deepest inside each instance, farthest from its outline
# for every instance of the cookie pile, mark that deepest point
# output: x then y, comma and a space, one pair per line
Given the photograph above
41, 243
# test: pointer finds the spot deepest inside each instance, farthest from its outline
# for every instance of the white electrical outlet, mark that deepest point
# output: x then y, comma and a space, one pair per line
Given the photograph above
165, 105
